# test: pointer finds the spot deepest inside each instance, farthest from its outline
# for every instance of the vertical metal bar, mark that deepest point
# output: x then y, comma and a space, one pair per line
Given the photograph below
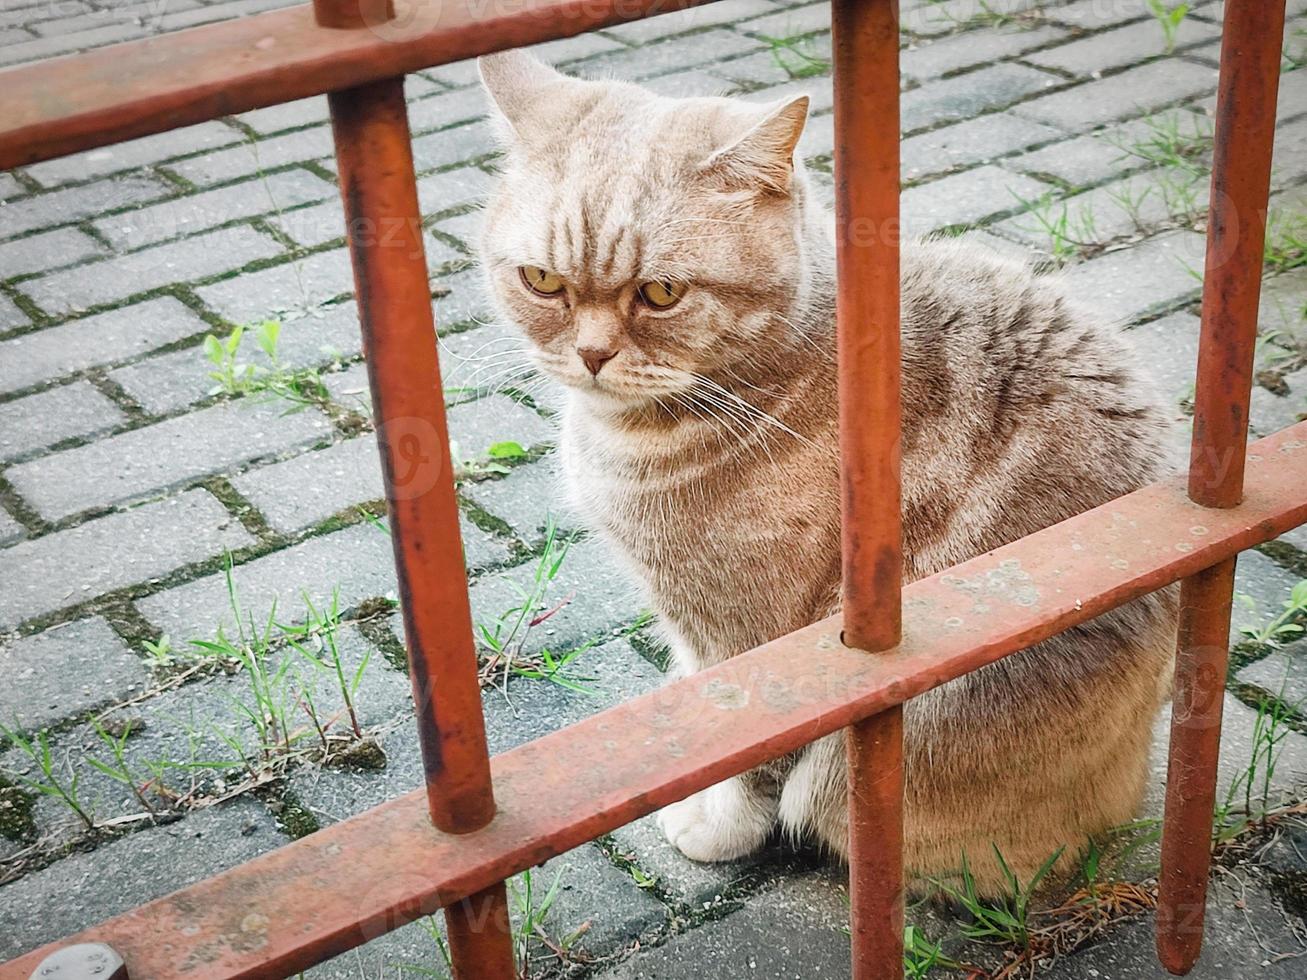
1245, 133
865, 38
374, 158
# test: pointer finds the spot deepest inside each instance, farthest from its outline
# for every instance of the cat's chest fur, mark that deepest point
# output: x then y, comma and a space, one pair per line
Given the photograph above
733, 548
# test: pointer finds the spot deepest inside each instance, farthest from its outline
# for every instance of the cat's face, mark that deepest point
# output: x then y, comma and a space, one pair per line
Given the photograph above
641, 243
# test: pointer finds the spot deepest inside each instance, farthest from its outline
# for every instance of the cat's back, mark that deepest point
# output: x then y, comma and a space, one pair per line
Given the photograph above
1019, 403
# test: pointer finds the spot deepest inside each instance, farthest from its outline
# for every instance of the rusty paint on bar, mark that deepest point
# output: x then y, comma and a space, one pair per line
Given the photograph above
1201, 658
375, 161
875, 753
352, 14
865, 50
480, 931
1244, 138
123, 91
389, 866
865, 39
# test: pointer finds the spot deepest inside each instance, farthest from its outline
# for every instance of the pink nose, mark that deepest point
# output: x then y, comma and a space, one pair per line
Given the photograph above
595, 357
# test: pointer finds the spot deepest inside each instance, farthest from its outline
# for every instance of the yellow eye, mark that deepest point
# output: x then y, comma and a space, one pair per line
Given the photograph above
661, 295
539, 281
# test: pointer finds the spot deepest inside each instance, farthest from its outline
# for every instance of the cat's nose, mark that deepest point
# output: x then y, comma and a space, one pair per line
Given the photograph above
595, 357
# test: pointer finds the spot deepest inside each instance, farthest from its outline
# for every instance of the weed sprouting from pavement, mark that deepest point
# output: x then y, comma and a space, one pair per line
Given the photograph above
1004, 920
1286, 626
503, 640
51, 779
301, 387
1169, 17
797, 56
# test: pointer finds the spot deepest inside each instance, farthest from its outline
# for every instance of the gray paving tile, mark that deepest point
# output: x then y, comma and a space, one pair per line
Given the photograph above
125, 548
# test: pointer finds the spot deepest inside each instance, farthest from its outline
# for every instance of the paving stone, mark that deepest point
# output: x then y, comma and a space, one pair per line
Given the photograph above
74, 203
64, 672
1282, 673
458, 144
357, 560
106, 338
198, 212
10, 187
174, 380
1272, 412
791, 932
527, 499
1168, 349
324, 224
125, 548
1246, 932
1131, 93
695, 18
134, 153
1083, 160
791, 22
216, 11
10, 529
954, 99
1284, 305
1261, 586
933, 58
1118, 48
970, 142
559, 53
966, 198
297, 286
48, 47
930, 17
1093, 14
256, 156
164, 455
307, 489
46, 250
11, 317
477, 425
1154, 274
24, 12
613, 672
450, 189
448, 108
687, 84
663, 57
210, 254
464, 228
87, 887
1132, 206
52, 416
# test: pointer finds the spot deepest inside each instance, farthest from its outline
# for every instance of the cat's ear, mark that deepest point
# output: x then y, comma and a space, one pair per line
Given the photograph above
514, 80
764, 156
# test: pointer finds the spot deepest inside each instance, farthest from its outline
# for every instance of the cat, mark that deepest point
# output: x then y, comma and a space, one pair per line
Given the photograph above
669, 264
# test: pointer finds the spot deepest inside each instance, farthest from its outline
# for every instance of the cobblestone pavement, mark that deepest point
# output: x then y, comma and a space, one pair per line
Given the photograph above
130, 475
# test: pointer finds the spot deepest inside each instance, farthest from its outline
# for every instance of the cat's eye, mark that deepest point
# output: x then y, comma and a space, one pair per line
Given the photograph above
541, 282
661, 295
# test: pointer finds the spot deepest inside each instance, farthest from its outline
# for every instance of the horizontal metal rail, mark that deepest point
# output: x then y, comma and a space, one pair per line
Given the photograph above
388, 866
124, 91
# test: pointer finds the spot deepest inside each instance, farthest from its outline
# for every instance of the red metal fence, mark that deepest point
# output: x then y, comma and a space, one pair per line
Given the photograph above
496, 817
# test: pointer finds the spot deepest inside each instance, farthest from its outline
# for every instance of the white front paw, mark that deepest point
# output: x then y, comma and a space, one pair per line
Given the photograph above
722, 823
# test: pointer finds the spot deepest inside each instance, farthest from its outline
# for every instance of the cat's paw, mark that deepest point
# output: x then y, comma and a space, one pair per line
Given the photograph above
722, 823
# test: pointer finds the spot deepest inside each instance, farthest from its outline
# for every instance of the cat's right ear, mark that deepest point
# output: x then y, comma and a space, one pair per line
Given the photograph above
514, 80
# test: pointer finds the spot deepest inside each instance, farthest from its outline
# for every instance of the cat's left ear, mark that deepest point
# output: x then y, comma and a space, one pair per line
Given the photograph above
764, 156
515, 82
